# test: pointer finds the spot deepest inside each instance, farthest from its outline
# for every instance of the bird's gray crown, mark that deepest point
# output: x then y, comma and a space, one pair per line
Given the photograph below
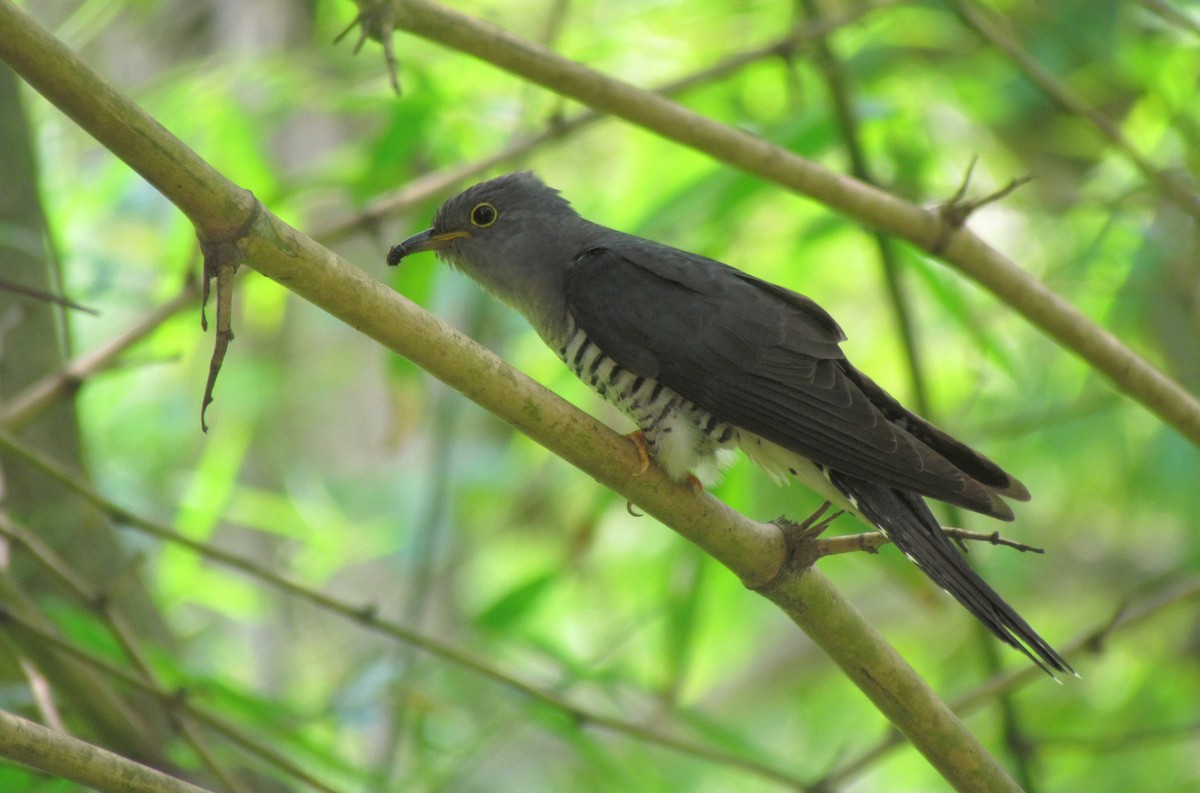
520, 194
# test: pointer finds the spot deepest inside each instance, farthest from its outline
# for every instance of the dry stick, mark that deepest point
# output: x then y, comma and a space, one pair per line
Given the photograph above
43, 296
1171, 186
43, 696
70, 758
756, 552
364, 616
1024, 293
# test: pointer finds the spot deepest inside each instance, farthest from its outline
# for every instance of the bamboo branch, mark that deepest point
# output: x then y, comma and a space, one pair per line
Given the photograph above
70, 758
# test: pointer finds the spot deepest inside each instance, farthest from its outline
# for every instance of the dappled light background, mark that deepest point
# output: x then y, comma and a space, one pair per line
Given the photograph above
342, 467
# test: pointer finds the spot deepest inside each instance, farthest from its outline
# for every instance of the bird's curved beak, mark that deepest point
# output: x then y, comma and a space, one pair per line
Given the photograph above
427, 240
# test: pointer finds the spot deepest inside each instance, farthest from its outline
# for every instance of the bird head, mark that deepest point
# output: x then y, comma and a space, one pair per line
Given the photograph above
513, 234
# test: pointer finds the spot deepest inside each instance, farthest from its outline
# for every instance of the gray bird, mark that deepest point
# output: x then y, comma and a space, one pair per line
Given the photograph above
706, 359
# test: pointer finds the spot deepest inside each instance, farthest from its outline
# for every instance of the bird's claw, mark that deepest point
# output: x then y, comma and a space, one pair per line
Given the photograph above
811, 527
638, 439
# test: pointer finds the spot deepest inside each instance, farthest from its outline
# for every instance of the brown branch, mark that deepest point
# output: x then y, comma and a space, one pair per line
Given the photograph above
375, 22
955, 211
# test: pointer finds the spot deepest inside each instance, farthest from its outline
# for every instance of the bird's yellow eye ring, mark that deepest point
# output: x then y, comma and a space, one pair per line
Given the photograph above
484, 215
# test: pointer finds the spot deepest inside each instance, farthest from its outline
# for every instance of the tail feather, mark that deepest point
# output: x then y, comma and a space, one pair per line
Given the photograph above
906, 520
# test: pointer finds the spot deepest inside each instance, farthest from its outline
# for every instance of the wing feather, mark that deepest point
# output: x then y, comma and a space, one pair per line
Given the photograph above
768, 360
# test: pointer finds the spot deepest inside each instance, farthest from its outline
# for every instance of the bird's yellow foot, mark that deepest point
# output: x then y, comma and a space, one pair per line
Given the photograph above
638, 438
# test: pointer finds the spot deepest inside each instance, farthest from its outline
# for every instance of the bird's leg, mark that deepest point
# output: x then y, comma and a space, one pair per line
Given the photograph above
638, 439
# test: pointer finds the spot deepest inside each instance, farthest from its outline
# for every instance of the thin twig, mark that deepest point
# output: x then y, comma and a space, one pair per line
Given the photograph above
44, 296
38, 396
1168, 184
870, 542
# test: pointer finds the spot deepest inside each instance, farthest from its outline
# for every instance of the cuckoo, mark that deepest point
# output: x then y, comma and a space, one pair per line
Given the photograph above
707, 359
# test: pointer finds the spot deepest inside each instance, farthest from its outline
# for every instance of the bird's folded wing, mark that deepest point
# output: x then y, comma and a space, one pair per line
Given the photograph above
768, 360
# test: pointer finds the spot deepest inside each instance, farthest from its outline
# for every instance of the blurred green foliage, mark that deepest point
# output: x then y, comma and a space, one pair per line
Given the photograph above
344, 468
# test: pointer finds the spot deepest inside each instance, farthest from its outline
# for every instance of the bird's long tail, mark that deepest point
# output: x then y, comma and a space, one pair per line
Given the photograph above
906, 520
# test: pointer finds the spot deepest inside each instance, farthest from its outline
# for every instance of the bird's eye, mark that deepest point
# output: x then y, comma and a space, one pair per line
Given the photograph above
484, 215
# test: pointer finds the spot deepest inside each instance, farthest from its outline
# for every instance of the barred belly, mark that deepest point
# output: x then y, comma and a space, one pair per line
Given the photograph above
680, 436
